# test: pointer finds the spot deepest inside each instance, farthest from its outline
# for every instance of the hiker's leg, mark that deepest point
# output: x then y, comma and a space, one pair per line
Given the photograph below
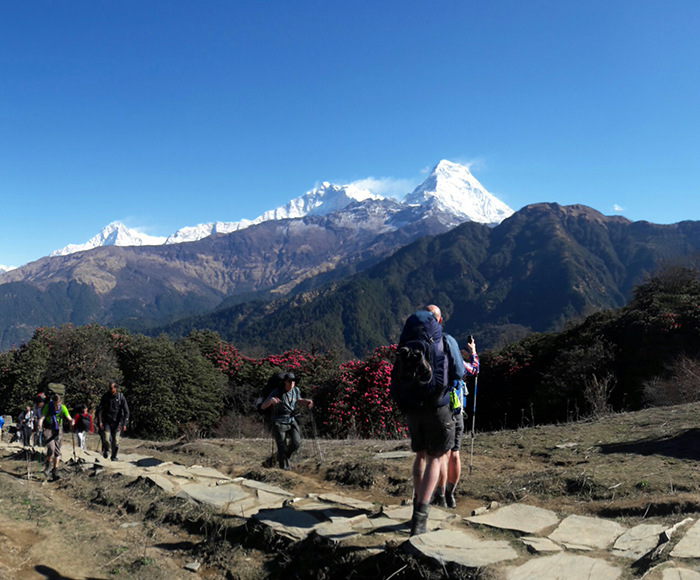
439, 437
417, 471
115, 436
105, 436
57, 447
433, 464
279, 432
294, 439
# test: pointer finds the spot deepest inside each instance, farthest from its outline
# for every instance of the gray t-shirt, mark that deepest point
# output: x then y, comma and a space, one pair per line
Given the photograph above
282, 411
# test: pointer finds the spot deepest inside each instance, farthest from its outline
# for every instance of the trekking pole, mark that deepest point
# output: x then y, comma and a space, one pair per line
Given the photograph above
471, 453
72, 436
318, 446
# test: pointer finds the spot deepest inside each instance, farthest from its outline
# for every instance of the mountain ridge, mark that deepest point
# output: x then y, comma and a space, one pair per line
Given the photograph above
450, 187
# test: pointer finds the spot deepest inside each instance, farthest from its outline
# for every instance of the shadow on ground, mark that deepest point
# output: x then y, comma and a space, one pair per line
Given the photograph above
682, 446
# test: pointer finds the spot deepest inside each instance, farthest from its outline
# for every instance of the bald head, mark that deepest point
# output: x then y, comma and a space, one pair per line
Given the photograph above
435, 311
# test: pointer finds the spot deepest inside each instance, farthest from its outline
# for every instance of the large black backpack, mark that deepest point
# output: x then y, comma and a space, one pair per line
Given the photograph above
419, 376
275, 381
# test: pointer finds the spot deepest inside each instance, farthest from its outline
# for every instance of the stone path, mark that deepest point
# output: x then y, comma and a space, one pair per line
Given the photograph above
539, 544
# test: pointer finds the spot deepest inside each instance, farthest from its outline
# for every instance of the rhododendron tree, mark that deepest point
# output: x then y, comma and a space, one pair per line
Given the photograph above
359, 403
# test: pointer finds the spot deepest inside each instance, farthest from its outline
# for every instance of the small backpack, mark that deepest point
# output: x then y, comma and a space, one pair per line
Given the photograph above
419, 376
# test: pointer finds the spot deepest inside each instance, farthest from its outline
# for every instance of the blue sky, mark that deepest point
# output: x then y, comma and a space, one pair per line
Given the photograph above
168, 114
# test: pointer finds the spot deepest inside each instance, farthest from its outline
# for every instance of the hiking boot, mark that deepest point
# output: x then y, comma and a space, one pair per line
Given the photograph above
419, 521
113, 458
438, 500
54, 475
105, 454
269, 462
450, 500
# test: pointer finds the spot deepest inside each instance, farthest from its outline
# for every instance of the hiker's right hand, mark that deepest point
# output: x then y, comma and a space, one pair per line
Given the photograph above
274, 401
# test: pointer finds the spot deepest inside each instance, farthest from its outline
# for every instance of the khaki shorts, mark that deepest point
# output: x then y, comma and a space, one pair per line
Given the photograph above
52, 440
431, 430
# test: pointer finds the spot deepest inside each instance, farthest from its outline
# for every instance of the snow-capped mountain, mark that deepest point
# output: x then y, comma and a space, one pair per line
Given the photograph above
450, 191
319, 201
6, 268
115, 234
454, 189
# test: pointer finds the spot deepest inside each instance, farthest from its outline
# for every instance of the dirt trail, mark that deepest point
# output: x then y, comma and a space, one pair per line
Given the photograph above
45, 533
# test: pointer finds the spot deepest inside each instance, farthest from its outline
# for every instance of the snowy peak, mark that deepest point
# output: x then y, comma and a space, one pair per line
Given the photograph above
319, 201
194, 233
115, 234
452, 188
450, 191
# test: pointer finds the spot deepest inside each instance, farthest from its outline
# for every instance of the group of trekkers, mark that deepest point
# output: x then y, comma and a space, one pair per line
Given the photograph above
44, 422
427, 383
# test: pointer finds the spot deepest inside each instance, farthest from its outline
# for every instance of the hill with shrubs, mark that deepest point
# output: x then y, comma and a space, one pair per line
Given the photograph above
538, 269
645, 353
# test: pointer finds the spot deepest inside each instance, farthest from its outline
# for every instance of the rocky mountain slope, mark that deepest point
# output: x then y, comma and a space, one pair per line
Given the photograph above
331, 232
536, 270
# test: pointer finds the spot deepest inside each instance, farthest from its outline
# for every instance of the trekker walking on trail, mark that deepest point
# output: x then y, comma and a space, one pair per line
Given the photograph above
285, 429
53, 413
426, 364
112, 417
39, 402
25, 426
83, 425
452, 469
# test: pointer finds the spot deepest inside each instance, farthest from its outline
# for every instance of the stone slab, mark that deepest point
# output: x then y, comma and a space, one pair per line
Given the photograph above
162, 482
249, 506
406, 513
689, 546
132, 457
671, 571
207, 472
381, 525
347, 501
336, 532
460, 547
540, 545
587, 532
289, 522
637, 541
179, 471
219, 496
394, 455
518, 517
251, 483
565, 567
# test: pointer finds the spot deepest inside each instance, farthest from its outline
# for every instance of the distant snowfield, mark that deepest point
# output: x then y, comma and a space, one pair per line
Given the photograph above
450, 187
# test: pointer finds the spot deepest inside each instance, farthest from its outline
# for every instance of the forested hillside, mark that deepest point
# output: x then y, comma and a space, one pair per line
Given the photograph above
645, 353
542, 267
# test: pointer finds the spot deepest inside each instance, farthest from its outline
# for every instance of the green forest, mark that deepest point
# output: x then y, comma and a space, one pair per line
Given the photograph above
645, 353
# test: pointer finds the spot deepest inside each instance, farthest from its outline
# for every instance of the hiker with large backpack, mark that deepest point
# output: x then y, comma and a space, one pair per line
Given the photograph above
83, 425
112, 417
53, 413
283, 401
452, 468
424, 368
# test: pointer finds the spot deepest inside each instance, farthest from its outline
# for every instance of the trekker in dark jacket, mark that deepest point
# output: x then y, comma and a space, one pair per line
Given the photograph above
285, 429
112, 418
82, 425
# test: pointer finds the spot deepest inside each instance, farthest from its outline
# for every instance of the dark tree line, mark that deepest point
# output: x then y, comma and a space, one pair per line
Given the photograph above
645, 353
